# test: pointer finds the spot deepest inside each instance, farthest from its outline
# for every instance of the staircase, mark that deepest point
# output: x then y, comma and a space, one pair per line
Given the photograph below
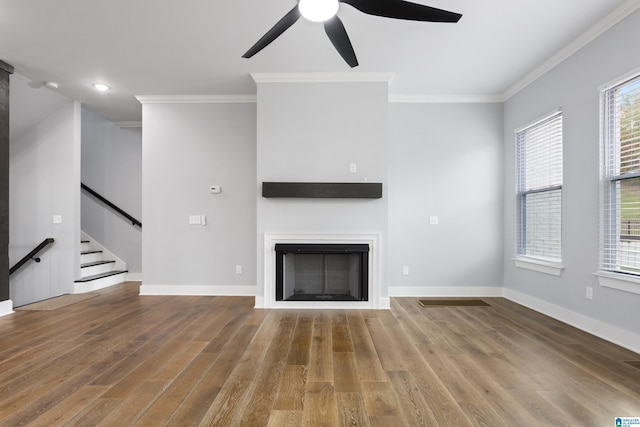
99, 268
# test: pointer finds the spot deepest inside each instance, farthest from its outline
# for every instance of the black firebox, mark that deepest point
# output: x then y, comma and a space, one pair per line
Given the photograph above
316, 272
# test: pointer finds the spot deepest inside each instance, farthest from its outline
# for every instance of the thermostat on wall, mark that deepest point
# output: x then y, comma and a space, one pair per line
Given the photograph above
215, 189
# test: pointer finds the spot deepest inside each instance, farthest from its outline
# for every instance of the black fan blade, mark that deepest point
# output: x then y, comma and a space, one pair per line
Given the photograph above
338, 36
401, 9
288, 20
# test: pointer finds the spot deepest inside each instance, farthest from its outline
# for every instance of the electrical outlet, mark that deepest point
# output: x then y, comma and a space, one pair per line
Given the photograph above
353, 167
405, 270
434, 220
589, 292
195, 219
238, 269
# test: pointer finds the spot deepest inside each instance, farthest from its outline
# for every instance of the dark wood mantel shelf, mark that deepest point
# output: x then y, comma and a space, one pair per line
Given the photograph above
341, 190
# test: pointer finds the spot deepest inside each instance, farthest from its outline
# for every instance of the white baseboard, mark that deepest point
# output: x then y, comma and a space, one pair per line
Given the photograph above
453, 291
6, 307
204, 290
622, 337
134, 277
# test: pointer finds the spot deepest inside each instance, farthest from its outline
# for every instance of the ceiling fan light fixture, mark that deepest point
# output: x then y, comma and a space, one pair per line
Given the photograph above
325, 10
318, 10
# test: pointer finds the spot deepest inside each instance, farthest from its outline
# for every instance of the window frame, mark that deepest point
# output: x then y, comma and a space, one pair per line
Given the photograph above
611, 219
523, 259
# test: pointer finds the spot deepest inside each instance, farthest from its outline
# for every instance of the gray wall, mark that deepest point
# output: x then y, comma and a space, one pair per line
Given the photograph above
185, 149
445, 160
44, 181
311, 132
112, 166
573, 86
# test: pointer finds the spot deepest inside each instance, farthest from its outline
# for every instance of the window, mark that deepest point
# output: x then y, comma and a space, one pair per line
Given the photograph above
620, 229
539, 189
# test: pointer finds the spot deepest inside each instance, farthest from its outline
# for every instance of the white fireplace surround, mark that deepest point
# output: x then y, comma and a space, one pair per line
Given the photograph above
268, 299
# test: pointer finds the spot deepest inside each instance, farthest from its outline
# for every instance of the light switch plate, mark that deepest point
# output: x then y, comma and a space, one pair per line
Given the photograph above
433, 220
57, 219
215, 189
194, 220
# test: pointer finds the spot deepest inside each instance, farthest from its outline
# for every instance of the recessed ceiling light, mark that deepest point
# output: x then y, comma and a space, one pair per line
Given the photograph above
101, 87
51, 85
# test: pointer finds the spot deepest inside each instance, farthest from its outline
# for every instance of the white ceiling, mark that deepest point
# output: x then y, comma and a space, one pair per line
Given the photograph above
194, 47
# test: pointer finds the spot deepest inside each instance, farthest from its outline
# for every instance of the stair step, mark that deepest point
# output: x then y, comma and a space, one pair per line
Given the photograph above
100, 276
94, 263
90, 252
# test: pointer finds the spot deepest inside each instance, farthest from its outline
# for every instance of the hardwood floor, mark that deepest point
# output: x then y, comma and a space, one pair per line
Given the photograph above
123, 360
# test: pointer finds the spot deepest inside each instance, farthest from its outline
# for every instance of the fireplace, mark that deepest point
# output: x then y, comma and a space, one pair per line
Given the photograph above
317, 271
365, 245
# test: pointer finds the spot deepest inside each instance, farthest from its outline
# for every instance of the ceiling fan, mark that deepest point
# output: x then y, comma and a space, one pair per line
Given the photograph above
325, 11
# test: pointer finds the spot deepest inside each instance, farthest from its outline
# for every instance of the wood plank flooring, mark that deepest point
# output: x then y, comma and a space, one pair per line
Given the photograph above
120, 359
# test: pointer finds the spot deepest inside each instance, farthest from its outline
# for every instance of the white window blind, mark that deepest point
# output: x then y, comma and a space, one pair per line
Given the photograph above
620, 204
539, 189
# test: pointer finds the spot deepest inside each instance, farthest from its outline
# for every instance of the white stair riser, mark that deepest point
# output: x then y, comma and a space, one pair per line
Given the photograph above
85, 258
94, 285
96, 269
85, 246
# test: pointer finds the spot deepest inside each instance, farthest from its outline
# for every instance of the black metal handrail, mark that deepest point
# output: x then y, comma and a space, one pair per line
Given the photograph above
31, 255
111, 205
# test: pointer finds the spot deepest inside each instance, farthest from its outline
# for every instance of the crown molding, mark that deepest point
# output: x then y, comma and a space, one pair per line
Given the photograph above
597, 30
231, 99
196, 99
322, 77
445, 99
